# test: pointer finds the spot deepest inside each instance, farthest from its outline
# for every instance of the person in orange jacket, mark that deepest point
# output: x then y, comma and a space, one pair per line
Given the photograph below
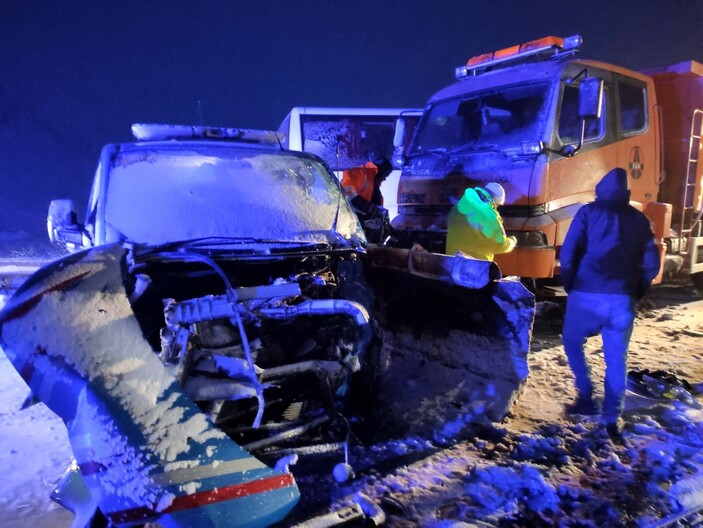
363, 186
474, 225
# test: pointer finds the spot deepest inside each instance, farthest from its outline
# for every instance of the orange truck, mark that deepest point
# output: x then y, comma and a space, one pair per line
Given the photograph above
548, 125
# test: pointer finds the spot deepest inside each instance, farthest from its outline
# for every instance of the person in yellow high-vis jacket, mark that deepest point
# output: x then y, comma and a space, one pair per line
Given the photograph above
474, 226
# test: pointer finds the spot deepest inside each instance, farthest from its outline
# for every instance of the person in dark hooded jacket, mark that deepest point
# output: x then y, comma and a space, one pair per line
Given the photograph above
608, 261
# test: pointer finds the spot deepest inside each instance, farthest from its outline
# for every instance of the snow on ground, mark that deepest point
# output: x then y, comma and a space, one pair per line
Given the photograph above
34, 452
537, 468
542, 468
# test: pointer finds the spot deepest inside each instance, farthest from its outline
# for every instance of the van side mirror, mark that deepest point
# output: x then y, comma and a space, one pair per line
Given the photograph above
63, 227
590, 98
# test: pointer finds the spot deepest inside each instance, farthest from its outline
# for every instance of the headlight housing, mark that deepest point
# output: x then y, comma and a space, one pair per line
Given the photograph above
529, 238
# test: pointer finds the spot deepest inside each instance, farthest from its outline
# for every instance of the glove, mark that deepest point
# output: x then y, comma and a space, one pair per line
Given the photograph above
363, 208
373, 213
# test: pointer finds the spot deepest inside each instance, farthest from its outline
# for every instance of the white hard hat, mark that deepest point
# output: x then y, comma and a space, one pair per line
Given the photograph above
497, 192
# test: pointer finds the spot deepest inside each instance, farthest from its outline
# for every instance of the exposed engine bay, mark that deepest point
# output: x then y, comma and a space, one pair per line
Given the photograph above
269, 348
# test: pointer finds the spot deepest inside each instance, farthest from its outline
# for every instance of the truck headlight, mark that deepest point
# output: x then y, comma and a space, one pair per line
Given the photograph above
529, 238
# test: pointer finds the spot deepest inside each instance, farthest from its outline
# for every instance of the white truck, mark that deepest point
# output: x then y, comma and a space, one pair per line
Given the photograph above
347, 137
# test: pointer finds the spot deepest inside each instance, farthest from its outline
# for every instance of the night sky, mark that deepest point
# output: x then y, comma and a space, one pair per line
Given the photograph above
75, 75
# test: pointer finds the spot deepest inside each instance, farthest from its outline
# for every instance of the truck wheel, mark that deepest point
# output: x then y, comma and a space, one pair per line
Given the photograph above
98, 520
697, 280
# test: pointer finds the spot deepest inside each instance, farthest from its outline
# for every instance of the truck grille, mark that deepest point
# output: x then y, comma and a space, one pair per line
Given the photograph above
425, 210
529, 238
522, 210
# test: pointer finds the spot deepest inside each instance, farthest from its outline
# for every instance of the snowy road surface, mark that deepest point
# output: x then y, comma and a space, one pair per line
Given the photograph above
34, 450
538, 468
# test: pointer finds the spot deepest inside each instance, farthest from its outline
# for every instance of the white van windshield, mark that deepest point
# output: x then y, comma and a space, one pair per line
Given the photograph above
159, 194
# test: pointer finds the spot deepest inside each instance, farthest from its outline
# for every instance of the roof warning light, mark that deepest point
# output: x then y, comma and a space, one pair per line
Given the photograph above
164, 132
547, 46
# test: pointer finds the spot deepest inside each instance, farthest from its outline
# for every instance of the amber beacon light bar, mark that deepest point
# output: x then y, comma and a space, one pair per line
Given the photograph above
546, 47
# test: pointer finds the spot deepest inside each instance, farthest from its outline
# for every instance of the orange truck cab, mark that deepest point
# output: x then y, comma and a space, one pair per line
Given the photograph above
547, 126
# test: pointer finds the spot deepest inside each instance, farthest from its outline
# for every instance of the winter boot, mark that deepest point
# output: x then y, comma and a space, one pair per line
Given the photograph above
583, 405
613, 428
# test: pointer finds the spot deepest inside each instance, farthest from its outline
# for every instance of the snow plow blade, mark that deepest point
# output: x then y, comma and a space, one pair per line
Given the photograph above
466, 328
144, 449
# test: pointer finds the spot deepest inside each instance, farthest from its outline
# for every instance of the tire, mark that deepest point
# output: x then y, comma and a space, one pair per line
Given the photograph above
98, 520
365, 385
697, 280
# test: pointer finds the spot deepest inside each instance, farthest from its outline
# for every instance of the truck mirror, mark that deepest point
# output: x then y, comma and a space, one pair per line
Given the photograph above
63, 227
398, 158
590, 98
398, 144
569, 150
405, 126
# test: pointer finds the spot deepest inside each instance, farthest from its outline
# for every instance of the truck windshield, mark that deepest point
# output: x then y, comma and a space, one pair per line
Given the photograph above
493, 119
157, 195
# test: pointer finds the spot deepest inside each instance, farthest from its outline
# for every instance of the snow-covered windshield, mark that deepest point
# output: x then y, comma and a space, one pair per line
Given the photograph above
495, 119
162, 194
348, 141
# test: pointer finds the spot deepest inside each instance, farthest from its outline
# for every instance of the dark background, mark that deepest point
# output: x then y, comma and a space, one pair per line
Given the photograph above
75, 75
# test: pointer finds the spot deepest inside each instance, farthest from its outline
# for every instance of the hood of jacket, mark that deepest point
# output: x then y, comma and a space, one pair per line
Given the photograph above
613, 187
